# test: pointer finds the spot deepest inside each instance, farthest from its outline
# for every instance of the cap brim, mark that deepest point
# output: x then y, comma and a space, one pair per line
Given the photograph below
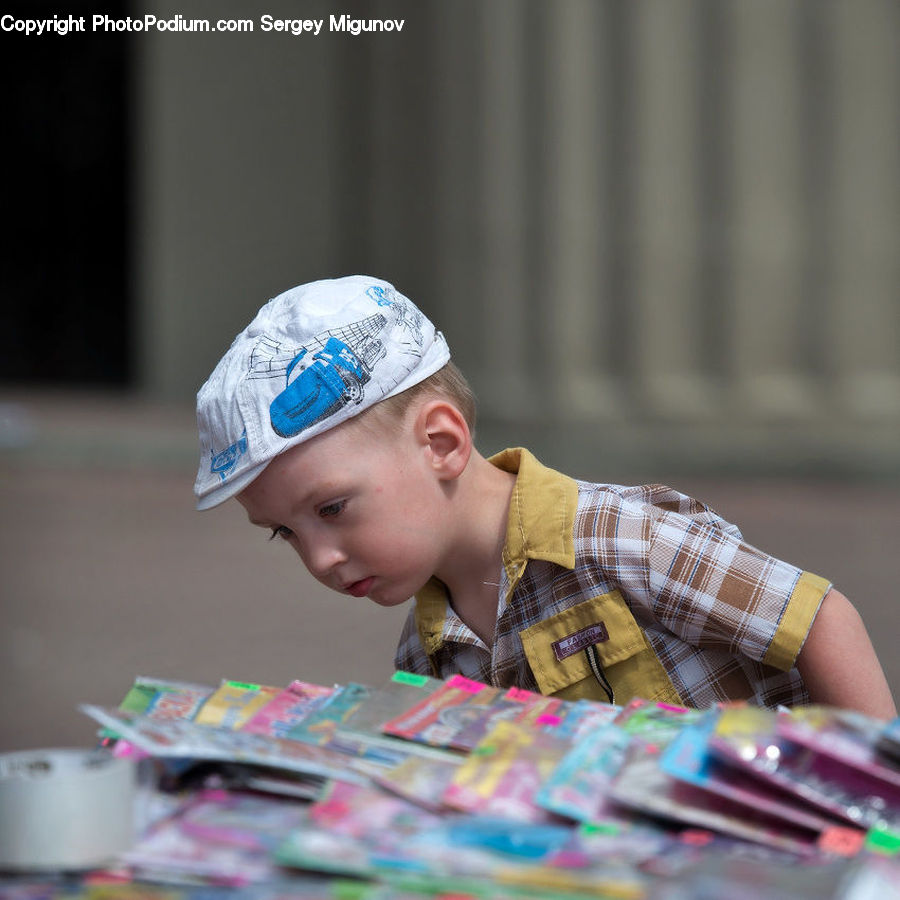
229, 488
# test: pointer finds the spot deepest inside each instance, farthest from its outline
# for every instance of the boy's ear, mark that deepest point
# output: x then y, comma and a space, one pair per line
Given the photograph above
442, 431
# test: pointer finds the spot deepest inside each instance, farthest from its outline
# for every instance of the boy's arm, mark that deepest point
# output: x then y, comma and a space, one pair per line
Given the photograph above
838, 662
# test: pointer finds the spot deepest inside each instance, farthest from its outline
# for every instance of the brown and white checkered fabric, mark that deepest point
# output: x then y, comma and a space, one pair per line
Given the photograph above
725, 619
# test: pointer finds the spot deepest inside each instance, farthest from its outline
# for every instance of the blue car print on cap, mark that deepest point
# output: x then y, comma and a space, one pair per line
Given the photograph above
223, 463
334, 378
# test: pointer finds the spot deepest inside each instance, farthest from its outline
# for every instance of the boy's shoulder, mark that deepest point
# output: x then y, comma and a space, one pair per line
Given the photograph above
652, 501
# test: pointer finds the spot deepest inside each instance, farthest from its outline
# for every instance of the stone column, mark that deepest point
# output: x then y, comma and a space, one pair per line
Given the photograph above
576, 216
504, 382
669, 351
864, 321
767, 328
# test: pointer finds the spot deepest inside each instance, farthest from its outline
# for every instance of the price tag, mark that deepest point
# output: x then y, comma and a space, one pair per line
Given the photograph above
410, 678
599, 828
243, 686
841, 841
466, 684
696, 837
519, 695
883, 840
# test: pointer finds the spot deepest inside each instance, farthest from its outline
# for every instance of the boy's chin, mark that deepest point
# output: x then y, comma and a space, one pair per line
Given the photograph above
386, 596
386, 599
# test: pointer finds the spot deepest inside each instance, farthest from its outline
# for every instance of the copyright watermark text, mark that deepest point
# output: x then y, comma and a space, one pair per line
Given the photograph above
63, 25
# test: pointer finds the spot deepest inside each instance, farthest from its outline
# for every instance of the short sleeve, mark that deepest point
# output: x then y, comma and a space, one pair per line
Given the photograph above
692, 572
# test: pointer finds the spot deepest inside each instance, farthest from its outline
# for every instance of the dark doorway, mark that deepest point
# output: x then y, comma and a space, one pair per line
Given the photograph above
64, 282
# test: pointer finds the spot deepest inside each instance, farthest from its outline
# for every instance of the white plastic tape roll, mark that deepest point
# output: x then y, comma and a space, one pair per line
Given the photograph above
64, 809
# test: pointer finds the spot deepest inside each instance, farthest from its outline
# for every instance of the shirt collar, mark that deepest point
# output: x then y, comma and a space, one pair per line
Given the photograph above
541, 513
540, 526
433, 615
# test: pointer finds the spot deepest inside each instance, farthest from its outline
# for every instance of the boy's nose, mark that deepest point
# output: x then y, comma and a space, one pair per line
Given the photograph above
322, 557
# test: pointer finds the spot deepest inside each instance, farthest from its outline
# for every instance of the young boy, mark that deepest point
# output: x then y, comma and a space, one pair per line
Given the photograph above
339, 423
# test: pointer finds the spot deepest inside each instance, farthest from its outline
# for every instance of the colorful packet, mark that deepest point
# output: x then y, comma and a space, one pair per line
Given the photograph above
357, 830
360, 733
513, 705
287, 709
438, 718
687, 758
321, 725
361, 832
234, 703
219, 836
748, 739
182, 739
240, 819
577, 718
421, 780
579, 786
165, 699
141, 693
402, 691
360, 811
504, 772
641, 785
844, 735
160, 699
654, 723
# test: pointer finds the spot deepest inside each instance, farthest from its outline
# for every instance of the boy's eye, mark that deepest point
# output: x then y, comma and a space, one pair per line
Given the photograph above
332, 509
281, 531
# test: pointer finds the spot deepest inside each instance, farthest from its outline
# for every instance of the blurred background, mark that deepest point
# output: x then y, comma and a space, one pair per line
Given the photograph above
661, 237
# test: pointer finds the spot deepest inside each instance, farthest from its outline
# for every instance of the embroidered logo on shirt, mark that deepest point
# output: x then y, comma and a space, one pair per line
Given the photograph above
575, 643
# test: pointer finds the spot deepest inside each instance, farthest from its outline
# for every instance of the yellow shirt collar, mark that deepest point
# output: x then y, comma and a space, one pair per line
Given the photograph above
541, 513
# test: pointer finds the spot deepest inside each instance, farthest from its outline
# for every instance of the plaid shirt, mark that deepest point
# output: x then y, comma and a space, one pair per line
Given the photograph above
672, 581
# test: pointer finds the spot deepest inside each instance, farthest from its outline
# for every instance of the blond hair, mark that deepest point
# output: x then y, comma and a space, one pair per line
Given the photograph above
448, 383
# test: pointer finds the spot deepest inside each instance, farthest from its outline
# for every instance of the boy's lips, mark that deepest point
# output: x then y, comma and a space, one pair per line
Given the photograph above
360, 588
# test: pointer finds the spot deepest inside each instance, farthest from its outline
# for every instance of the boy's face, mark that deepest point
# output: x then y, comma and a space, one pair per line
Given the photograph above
363, 511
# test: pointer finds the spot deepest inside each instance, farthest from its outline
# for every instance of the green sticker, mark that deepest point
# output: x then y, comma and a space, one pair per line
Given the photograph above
139, 697
243, 687
350, 890
484, 750
883, 840
600, 828
409, 678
